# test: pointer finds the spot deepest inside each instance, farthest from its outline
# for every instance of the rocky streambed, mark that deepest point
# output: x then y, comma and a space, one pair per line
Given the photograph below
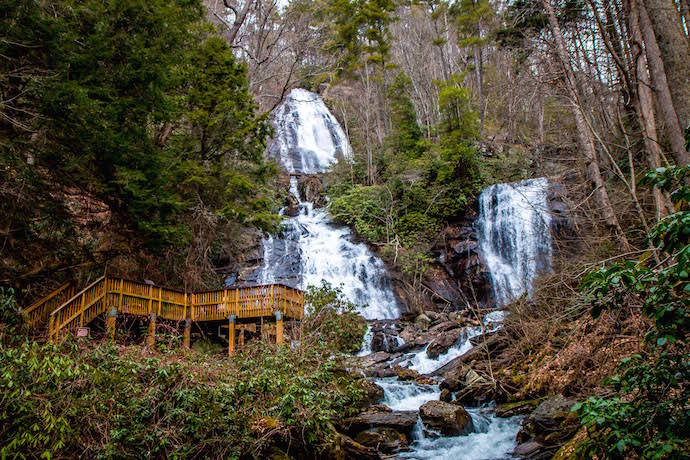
430, 394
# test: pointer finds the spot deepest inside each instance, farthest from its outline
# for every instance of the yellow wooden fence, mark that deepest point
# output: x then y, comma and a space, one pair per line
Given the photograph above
130, 297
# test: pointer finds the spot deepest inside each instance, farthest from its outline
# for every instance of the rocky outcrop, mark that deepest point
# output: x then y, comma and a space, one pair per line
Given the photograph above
381, 417
460, 258
446, 418
385, 440
547, 428
373, 394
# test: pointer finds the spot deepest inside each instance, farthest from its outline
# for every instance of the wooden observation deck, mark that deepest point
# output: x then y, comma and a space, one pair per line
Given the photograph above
62, 312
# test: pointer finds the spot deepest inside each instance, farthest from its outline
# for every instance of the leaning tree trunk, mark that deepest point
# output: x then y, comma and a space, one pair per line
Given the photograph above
660, 84
645, 106
584, 135
675, 53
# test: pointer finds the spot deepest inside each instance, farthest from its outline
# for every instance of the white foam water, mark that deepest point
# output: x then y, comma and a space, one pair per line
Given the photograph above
422, 363
366, 342
494, 440
399, 395
308, 138
515, 235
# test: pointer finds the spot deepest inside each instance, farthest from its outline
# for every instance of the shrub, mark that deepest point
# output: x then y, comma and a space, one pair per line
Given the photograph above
332, 321
648, 414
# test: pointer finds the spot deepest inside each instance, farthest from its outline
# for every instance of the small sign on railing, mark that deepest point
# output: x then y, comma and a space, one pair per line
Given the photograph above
83, 332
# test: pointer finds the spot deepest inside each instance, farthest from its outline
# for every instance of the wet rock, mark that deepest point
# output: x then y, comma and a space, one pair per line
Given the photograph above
291, 205
385, 440
422, 321
547, 428
532, 450
425, 381
373, 394
474, 389
549, 417
516, 408
448, 419
405, 374
443, 288
446, 396
443, 342
381, 416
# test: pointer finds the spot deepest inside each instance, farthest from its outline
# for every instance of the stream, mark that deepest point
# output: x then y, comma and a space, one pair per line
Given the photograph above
515, 241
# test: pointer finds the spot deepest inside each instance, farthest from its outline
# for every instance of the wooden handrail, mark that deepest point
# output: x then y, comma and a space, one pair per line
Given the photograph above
54, 312
139, 299
39, 311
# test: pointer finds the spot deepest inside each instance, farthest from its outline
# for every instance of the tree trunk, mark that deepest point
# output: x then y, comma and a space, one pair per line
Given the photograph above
675, 53
480, 94
657, 73
645, 106
585, 137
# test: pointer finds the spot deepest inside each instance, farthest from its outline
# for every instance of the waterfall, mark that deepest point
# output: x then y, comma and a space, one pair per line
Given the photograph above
309, 248
307, 138
515, 235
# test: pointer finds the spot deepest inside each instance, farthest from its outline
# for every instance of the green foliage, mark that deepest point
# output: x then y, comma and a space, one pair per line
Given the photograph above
332, 320
649, 415
423, 185
131, 104
361, 31
103, 402
12, 324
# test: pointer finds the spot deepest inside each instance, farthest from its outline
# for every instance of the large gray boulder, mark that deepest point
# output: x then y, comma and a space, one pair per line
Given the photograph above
381, 417
449, 419
383, 439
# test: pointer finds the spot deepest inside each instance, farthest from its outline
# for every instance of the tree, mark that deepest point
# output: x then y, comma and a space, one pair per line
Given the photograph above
584, 134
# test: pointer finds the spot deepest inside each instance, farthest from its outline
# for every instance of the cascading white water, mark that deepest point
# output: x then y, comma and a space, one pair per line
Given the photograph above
515, 235
308, 139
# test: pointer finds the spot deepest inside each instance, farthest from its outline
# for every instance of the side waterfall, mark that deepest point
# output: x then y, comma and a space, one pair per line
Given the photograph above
515, 235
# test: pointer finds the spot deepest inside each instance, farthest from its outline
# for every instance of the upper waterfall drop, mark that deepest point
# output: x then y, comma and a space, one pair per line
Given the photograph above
307, 138
515, 235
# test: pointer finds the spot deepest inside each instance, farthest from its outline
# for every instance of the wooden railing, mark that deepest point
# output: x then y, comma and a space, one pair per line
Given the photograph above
36, 316
139, 299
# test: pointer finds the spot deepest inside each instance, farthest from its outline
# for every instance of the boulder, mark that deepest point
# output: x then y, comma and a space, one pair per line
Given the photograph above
373, 394
422, 321
443, 342
547, 428
532, 450
474, 389
381, 416
405, 374
385, 440
449, 419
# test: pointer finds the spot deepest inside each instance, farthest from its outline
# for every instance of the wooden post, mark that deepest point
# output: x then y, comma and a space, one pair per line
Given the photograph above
122, 287
110, 322
160, 300
187, 332
51, 328
152, 329
241, 339
150, 299
81, 310
105, 293
279, 327
231, 334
